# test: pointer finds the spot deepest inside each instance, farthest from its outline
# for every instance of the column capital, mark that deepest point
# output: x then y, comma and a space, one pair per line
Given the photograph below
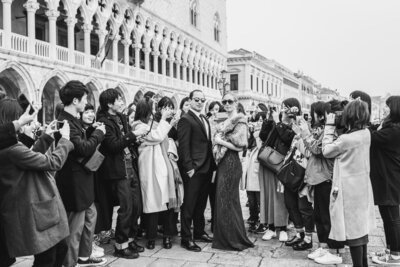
156, 53
126, 42
164, 56
31, 6
147, 50
71, 21
101, 33
52, 14
178, 61
87, 28
116, 38
7, 1
185, 65
137, 46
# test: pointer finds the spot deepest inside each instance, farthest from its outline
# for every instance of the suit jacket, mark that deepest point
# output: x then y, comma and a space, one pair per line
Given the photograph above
75, 183
195, 148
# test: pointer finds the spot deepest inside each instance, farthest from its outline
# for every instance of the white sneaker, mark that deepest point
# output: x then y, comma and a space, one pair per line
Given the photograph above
317, 253
283, 237
96, 247
269, 235
328, 259
97, 252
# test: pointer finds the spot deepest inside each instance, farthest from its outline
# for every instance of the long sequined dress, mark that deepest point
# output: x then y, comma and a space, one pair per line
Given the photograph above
229, 230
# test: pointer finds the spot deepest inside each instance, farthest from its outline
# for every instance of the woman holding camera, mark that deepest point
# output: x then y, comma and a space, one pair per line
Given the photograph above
385, 178
351, 206
156, 175
33, 217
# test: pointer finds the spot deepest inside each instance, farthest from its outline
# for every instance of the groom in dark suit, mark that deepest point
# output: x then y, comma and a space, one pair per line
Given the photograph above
197, 165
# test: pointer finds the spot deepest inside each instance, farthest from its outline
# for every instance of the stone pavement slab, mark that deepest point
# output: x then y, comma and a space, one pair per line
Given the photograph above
265, 253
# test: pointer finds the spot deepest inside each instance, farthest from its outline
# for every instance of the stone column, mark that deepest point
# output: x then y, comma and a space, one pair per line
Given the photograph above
102, 35
52, 15
147, 51
184, 72
178, 69
31, 7
87, 29
7, 23
171, 67
190, 69
126, 43
115, 52
164, 64
195, 75
71, 21
137, 56
156, 54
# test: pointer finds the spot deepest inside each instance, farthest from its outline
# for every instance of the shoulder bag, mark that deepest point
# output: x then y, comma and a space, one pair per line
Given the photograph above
269, 157
94, 162
292, 173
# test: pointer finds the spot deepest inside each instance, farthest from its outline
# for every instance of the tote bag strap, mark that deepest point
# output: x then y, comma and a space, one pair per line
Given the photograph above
269, 137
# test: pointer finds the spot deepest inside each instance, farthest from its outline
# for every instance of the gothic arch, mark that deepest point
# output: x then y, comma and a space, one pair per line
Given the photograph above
16, 72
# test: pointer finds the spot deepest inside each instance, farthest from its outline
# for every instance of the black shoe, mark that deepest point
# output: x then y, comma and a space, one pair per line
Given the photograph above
303, 245
135, 247
190, 245
295, 240
261, 229
204, 238
150, 244
252, 228
167, 243
126, 253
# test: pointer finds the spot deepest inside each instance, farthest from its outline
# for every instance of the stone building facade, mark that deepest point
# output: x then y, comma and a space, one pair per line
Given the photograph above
254, 79
169, 47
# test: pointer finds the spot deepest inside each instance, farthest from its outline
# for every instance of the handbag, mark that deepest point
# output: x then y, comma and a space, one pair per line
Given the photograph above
269, 157
94, 162
292, 173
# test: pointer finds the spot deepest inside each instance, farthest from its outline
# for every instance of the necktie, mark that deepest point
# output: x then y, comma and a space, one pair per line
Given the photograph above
205, 125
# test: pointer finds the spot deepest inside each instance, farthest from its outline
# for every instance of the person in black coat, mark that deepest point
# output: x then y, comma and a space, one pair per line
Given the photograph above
119, 171
75, 183
385, 177
197, 165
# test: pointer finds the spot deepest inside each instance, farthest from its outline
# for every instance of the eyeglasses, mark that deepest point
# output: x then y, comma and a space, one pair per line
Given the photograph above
196, 99
229, 101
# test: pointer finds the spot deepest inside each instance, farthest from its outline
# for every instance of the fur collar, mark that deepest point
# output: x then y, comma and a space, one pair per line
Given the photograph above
230, 123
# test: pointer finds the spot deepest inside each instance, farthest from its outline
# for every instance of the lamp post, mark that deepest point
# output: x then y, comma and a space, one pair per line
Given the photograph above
223, 85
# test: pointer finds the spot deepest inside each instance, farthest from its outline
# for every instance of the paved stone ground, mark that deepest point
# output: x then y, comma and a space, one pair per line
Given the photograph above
266, 253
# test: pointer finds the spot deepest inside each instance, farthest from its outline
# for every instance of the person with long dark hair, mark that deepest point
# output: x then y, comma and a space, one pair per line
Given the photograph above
155, 171
385, 174
318, 174
351, 206
28, 188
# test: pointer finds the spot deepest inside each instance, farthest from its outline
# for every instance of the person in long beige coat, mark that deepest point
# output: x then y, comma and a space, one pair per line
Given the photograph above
155, 173
351, 203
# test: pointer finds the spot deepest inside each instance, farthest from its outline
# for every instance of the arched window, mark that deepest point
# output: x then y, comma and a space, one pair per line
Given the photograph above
217, 24
193, 12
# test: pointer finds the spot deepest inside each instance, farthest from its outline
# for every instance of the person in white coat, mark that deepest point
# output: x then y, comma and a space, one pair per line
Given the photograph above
155, 172
351, 203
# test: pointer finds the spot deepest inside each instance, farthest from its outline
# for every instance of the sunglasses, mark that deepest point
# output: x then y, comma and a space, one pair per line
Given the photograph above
196, 99
229, 101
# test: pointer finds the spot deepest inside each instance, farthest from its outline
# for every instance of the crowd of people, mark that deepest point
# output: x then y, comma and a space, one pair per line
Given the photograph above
59, 183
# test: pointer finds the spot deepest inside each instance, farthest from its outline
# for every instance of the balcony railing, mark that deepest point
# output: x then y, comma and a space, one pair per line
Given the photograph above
62, 53
23, 44
42, 49
79, 58
19, 43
